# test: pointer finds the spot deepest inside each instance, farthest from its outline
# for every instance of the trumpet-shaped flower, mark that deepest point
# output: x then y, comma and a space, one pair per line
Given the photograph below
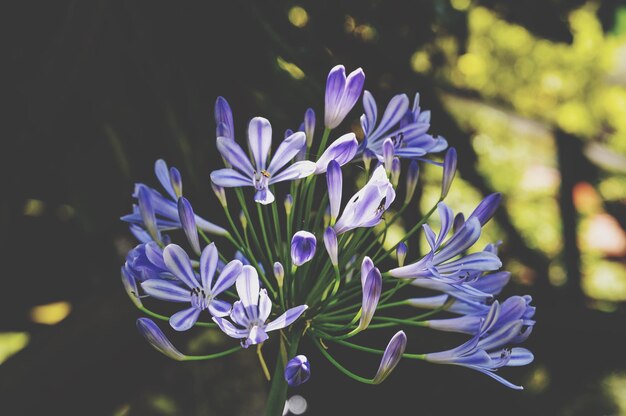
200, 293
157, 339
341, 94
224, 119
251, 312
366, 207
489, 350
406, 127
372, 284
259, 173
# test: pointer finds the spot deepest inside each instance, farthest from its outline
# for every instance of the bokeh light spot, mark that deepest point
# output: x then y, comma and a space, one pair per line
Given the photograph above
50, 314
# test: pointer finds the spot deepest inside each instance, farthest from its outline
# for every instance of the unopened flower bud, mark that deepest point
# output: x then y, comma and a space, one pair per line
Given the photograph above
220, 194
279, 273
297, 371
288, 204
395, 172
411, 180
401, 254
303, 246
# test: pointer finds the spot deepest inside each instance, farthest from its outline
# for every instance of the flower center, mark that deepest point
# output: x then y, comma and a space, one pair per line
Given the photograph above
200, 299
261, 179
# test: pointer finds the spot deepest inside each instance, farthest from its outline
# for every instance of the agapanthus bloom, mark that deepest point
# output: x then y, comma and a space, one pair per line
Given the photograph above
200, 293
250, 313
297, 371
259, 173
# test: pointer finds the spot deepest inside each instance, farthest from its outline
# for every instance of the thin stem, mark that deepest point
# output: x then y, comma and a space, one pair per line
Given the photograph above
212, 356
338, 365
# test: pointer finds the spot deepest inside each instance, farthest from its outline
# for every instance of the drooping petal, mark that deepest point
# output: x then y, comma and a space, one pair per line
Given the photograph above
177, 261
391, 357
188, 222
230, 178
260, 140
286, 151
185, 319
341, 150
229, 329
334, 180
303, 245
286, 318
298, 170
158, 340
264, 196
219, 308
228, 276
165, 290
208, 264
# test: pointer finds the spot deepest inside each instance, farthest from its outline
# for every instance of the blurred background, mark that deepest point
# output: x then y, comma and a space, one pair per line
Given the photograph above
532, 94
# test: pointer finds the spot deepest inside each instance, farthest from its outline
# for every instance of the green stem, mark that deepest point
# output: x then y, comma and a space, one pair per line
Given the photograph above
278, 391
212, 356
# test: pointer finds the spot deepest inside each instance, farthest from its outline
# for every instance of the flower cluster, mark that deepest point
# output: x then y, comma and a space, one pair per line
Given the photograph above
272, 275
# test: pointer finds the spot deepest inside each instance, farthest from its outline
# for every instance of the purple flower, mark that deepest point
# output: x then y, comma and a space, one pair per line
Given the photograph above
201, 294
146, 262
366, 207
259, 173
130, 286
341, 94
250, 313
489, 350
341, 150
487, 208
303, 245
297, 371
156, 213
158, 340
438, 264
372, 284
224, 119
401, 253
279, 273
406, 127
391, 357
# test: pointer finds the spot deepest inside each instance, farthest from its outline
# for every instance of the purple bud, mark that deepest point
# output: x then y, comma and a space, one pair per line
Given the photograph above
220, 194
224, 119
395, 172
158, 340
330, 241
288, 133
388, 154
188, 221
279, 273
391, 357
309, 126
297, 371
449, 170
146, 210
334, 179
487, 208
372, 287
459, 220
401, 253
411, 180
177, 182
303, 246
341, 94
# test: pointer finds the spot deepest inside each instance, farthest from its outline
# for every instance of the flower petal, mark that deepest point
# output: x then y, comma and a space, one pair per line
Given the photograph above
234, 154
341, 150
177, 261
153, 334
163, 175
219, 308
185, 319
227, 277
165, 290
286, 318
298, 170
208, 264
259, 140
230, 178
265, 306
229, 329
248, 290
286, 151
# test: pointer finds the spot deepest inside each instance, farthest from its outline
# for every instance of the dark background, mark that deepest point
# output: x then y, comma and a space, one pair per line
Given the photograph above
95, 91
